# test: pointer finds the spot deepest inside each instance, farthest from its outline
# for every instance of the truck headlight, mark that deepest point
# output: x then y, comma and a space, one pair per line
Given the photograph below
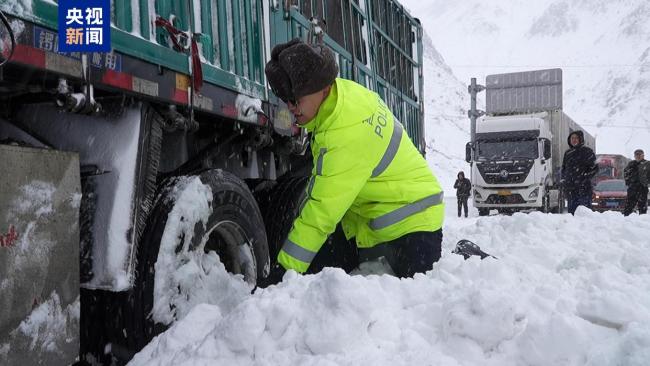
477, 195
534, 193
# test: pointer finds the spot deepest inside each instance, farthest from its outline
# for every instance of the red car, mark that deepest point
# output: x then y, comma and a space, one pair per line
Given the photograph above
609, 194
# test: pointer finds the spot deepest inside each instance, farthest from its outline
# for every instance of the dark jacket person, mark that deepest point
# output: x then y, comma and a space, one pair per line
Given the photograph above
637, 188
463, 188
578, 167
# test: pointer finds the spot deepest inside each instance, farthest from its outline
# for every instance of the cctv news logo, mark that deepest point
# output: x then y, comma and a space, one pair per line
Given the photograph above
84, 26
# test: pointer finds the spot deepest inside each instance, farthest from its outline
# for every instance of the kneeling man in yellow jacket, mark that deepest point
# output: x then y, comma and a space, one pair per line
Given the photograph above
367, 173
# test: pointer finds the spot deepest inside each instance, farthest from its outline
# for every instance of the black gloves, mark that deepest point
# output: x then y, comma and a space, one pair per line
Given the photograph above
274, 277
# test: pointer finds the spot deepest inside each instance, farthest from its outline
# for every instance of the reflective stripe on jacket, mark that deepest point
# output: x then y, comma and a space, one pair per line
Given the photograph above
367, 174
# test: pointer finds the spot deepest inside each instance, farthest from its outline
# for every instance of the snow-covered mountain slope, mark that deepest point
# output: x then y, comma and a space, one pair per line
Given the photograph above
602, 46
446, 124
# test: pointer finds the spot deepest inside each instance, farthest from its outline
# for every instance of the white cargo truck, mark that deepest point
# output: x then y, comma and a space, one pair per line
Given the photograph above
516, 156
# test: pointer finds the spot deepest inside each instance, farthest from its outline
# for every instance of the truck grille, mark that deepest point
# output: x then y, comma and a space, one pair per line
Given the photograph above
505, 172
512, 199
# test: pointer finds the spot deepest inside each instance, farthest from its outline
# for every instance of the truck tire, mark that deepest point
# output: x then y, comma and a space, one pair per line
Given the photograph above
283, 204
234, 230
483, 212
546, 202
560, 204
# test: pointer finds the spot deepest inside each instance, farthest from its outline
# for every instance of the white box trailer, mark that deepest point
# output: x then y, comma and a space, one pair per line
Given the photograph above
561, 126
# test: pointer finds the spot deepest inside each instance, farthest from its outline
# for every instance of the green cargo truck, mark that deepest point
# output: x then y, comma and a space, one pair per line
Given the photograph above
153, 154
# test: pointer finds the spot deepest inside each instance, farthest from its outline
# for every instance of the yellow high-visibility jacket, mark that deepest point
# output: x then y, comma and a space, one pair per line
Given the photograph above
367, 174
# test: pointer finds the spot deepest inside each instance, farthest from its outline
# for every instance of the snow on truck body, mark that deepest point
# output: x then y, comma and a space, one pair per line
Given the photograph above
140, 119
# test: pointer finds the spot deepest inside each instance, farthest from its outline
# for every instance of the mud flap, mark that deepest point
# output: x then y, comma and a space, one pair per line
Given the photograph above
39, 256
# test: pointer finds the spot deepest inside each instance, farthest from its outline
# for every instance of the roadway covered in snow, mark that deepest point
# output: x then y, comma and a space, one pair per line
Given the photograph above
564, 290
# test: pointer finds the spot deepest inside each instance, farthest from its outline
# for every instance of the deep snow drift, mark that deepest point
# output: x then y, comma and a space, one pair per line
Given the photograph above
564, 290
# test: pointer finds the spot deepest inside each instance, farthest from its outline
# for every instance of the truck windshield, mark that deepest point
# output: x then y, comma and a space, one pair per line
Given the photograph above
614, 185
505, 150
605, 171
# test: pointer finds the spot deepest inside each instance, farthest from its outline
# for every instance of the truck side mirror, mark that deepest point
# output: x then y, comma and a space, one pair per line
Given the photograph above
547, 149
468, 152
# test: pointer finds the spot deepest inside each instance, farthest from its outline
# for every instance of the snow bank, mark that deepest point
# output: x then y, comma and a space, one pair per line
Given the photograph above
564, 290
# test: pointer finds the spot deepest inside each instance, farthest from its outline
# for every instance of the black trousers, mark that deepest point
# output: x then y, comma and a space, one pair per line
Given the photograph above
462, 203
637, 196
410, 254
578, 198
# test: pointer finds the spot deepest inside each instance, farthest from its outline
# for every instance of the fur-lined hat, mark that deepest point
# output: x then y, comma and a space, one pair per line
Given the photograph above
297, 69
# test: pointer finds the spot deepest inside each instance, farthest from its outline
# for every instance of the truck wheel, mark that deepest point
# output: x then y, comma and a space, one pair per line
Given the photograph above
560, 203
483, 212
555, 209
546, 203
284, 203
200, 227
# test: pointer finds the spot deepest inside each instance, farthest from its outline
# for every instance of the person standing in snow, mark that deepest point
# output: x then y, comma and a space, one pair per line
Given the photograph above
463, 188
578, 167
367, 174
636, 175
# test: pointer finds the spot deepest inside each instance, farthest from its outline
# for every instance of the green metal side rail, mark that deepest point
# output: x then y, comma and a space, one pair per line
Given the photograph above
232, 52
377, 42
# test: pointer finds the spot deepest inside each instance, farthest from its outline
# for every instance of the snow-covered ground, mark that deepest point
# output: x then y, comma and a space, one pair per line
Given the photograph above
565, 290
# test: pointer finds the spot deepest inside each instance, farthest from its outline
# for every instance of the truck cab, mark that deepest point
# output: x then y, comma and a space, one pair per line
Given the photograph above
509, 168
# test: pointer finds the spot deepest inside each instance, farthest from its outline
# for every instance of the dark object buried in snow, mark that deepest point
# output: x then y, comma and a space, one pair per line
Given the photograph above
467, 249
